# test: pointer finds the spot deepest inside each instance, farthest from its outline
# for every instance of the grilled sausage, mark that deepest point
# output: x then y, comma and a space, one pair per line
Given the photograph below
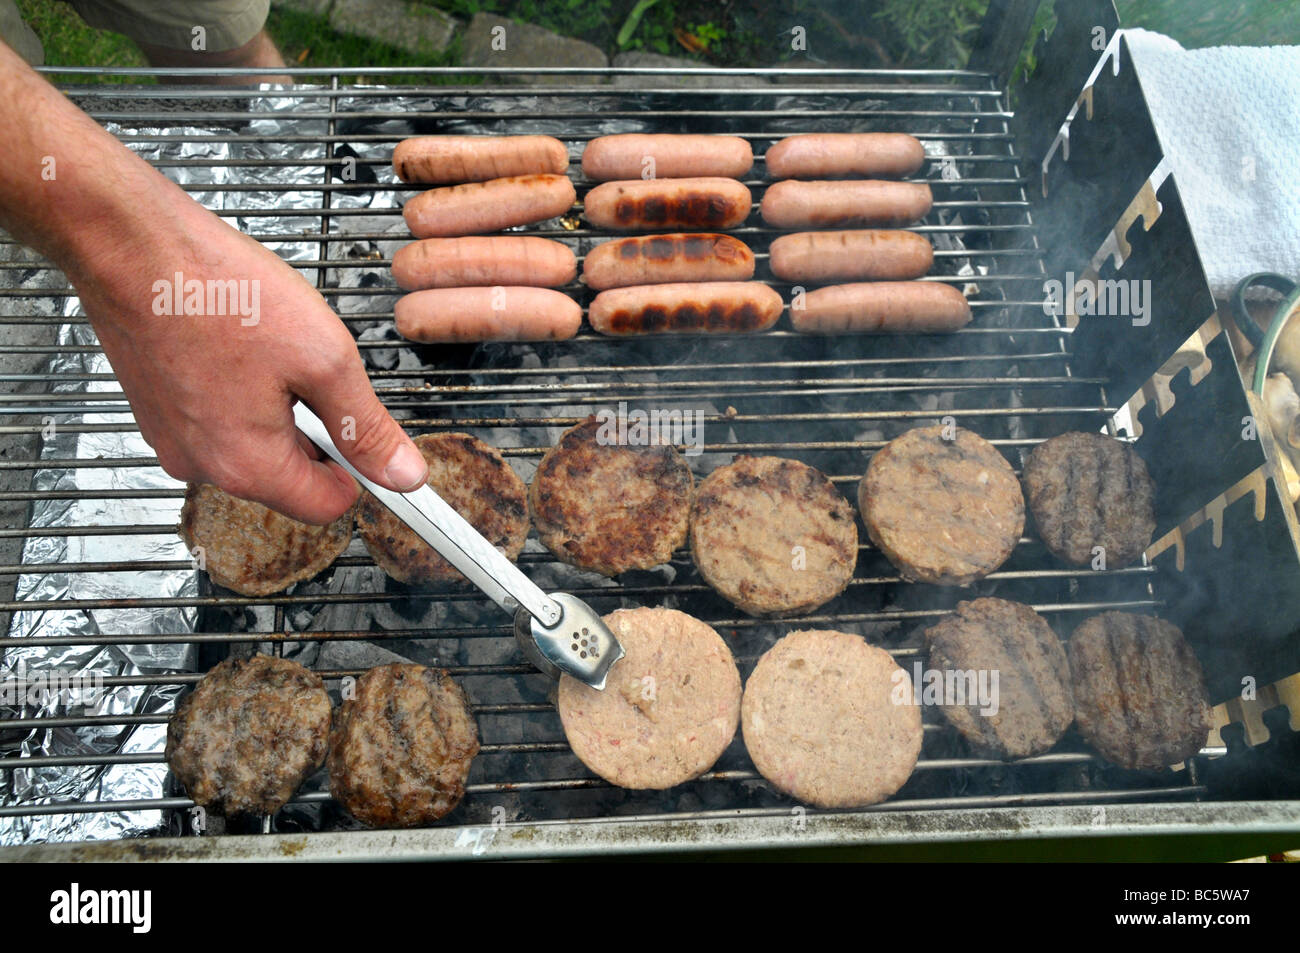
831, 155
719, 307
850, 256
442, 160
887, 307
488, 206
792, 204
669, 203
464, 315
635, 156
500, 260
657, 259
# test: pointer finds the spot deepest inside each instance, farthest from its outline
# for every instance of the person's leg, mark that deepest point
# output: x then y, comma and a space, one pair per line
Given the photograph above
259, 52
193, 33
19, 35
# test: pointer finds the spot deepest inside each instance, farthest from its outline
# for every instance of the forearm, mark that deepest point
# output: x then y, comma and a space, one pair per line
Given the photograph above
67, 187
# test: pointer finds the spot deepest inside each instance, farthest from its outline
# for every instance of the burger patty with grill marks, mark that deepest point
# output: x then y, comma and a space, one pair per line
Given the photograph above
1139, 691
477, 483
1033, 704
1088, 490
944, 511
252, 549
773, 536
610, 507
249, 734
402, 747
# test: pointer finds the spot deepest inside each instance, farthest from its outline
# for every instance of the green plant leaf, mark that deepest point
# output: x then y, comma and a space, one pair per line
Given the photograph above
632, 22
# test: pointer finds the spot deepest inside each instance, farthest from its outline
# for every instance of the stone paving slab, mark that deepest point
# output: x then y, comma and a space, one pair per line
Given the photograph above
415, 27
492, 40
317, 8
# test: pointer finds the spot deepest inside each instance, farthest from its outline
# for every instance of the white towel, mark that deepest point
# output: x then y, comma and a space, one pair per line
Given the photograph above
1228, 118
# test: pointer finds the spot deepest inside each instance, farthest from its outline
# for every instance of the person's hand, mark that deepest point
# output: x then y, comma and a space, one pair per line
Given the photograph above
213, 392
212, 384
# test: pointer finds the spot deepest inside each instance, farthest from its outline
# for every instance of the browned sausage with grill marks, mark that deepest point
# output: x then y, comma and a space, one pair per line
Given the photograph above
886, 307
792, 204
496, 260
488, 206
637, 156
717, 307
442, 160
466, 315
830, 155
712, 203
657, 259
851, 256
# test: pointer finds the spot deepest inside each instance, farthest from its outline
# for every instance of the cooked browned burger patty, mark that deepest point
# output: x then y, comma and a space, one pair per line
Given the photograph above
402, 746
477, 483
943, 511
1033, 701
669, 708
249, 734
829, 719
1087, 490
1139, 693
608, 507
773, 536
254, 550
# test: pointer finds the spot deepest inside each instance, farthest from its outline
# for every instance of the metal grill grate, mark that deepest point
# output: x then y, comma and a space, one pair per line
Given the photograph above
829, 403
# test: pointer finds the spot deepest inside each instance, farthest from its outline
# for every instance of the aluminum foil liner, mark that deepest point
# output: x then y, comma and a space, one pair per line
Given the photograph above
148, 781
85, 668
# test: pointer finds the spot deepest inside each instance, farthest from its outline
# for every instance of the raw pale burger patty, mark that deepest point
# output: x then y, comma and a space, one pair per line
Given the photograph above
608, 507
773, 536
249, 734
254, 550
1087, 490
829, 719
669, 708
402, 746
943, 511
1139, 692
1033, 700
477, 483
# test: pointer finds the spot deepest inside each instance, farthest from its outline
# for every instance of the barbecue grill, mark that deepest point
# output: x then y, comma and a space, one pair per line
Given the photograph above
305, 170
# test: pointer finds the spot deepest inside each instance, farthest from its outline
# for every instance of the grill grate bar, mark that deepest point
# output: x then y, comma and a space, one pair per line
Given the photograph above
143, 565
486, 116
223, 93
307, 236
371, 138
588, 369
934, 764
758, 256
333, 598
500, 422
368, 187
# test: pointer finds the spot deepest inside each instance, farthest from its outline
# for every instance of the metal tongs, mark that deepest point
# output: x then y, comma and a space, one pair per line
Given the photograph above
558, 633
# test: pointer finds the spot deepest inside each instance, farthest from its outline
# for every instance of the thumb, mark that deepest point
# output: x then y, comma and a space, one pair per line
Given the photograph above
365, 433
310, 491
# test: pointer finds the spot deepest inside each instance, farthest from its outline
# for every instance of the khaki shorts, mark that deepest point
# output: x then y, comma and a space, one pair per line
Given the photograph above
227, 24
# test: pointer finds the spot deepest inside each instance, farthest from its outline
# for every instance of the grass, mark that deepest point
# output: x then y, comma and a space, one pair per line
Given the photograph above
69, 42
932, 33
304, 40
